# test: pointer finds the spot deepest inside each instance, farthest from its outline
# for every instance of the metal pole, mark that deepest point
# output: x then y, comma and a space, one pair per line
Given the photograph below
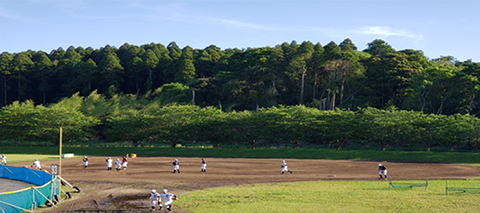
33, 198
426, 184
446, 187
60, 165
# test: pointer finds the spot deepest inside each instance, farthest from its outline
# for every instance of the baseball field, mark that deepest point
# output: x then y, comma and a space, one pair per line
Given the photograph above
257, 185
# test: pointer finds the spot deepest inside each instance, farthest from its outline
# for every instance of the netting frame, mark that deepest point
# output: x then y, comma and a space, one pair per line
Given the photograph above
407, 185
460, 189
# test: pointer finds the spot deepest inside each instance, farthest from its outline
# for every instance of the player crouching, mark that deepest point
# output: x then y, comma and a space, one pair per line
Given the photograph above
382, 170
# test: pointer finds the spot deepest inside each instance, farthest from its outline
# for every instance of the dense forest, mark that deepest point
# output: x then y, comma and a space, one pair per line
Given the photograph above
291, 94
324, 77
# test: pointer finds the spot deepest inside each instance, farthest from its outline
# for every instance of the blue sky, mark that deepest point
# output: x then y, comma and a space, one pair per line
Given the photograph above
437, 27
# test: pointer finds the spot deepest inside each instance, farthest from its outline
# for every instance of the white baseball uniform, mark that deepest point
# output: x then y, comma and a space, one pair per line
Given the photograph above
109, 163
154, 196
167, 198
36, 163
124, 163
284, 169
4, 160
118, 164
204, 165
85, 161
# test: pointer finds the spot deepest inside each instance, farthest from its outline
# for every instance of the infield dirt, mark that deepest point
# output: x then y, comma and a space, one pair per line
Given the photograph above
128, 190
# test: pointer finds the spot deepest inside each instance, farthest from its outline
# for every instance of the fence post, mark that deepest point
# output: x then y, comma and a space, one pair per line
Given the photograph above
426, 184
446, 187
33, 198
390, 183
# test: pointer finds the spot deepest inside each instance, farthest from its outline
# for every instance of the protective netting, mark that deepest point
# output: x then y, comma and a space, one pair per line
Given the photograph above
32, 197
459, 189
404, 185
407, 185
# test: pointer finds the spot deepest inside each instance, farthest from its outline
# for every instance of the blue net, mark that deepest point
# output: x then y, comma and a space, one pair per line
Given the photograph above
32, 197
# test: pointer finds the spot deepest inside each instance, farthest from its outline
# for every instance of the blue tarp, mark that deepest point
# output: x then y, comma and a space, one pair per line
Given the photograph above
17, 201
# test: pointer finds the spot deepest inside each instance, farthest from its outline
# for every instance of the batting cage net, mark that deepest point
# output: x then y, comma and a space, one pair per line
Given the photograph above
45, 191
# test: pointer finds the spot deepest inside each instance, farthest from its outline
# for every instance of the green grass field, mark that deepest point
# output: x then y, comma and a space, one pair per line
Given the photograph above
332, 196
416, 156
16, 158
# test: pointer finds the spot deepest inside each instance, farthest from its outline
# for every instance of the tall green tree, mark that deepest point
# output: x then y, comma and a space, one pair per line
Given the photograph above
21, 65
297, 67
186, 69
389, 75
379, 47
111, 70
43, 72
5, 72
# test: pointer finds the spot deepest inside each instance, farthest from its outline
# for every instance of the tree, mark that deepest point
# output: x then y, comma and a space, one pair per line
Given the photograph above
6, 72
386, 127
338, 127
437, 90
43, 67
173, 93
298, 66
111, 70
133, 74
21, 64
172, 123
388, 77
21, 121
379, 47
15, 121
151, 60
347, 45
315, 63
135, 127
212, 125
186, 69
294, 125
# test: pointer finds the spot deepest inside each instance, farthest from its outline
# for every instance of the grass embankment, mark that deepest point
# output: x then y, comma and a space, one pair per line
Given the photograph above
332, 196
414, 156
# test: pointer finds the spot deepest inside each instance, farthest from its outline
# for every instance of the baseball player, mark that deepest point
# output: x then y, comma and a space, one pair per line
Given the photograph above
109, 163
85, 162
154, 197
382, 170
204, 165
118, 164
168, 199
36, 164
176, 166
285, 168
4, 159
124, 162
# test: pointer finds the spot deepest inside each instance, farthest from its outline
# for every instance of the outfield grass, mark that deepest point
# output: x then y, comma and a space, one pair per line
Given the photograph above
332, 196
416, 156
16, 158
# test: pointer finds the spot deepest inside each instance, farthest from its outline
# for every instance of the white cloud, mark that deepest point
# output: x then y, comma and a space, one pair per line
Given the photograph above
386, 32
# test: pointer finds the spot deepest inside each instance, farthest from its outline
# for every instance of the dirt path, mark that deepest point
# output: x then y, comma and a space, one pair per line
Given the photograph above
129, 189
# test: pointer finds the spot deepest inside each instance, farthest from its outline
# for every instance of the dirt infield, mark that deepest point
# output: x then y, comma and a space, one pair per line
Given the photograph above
129, 189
